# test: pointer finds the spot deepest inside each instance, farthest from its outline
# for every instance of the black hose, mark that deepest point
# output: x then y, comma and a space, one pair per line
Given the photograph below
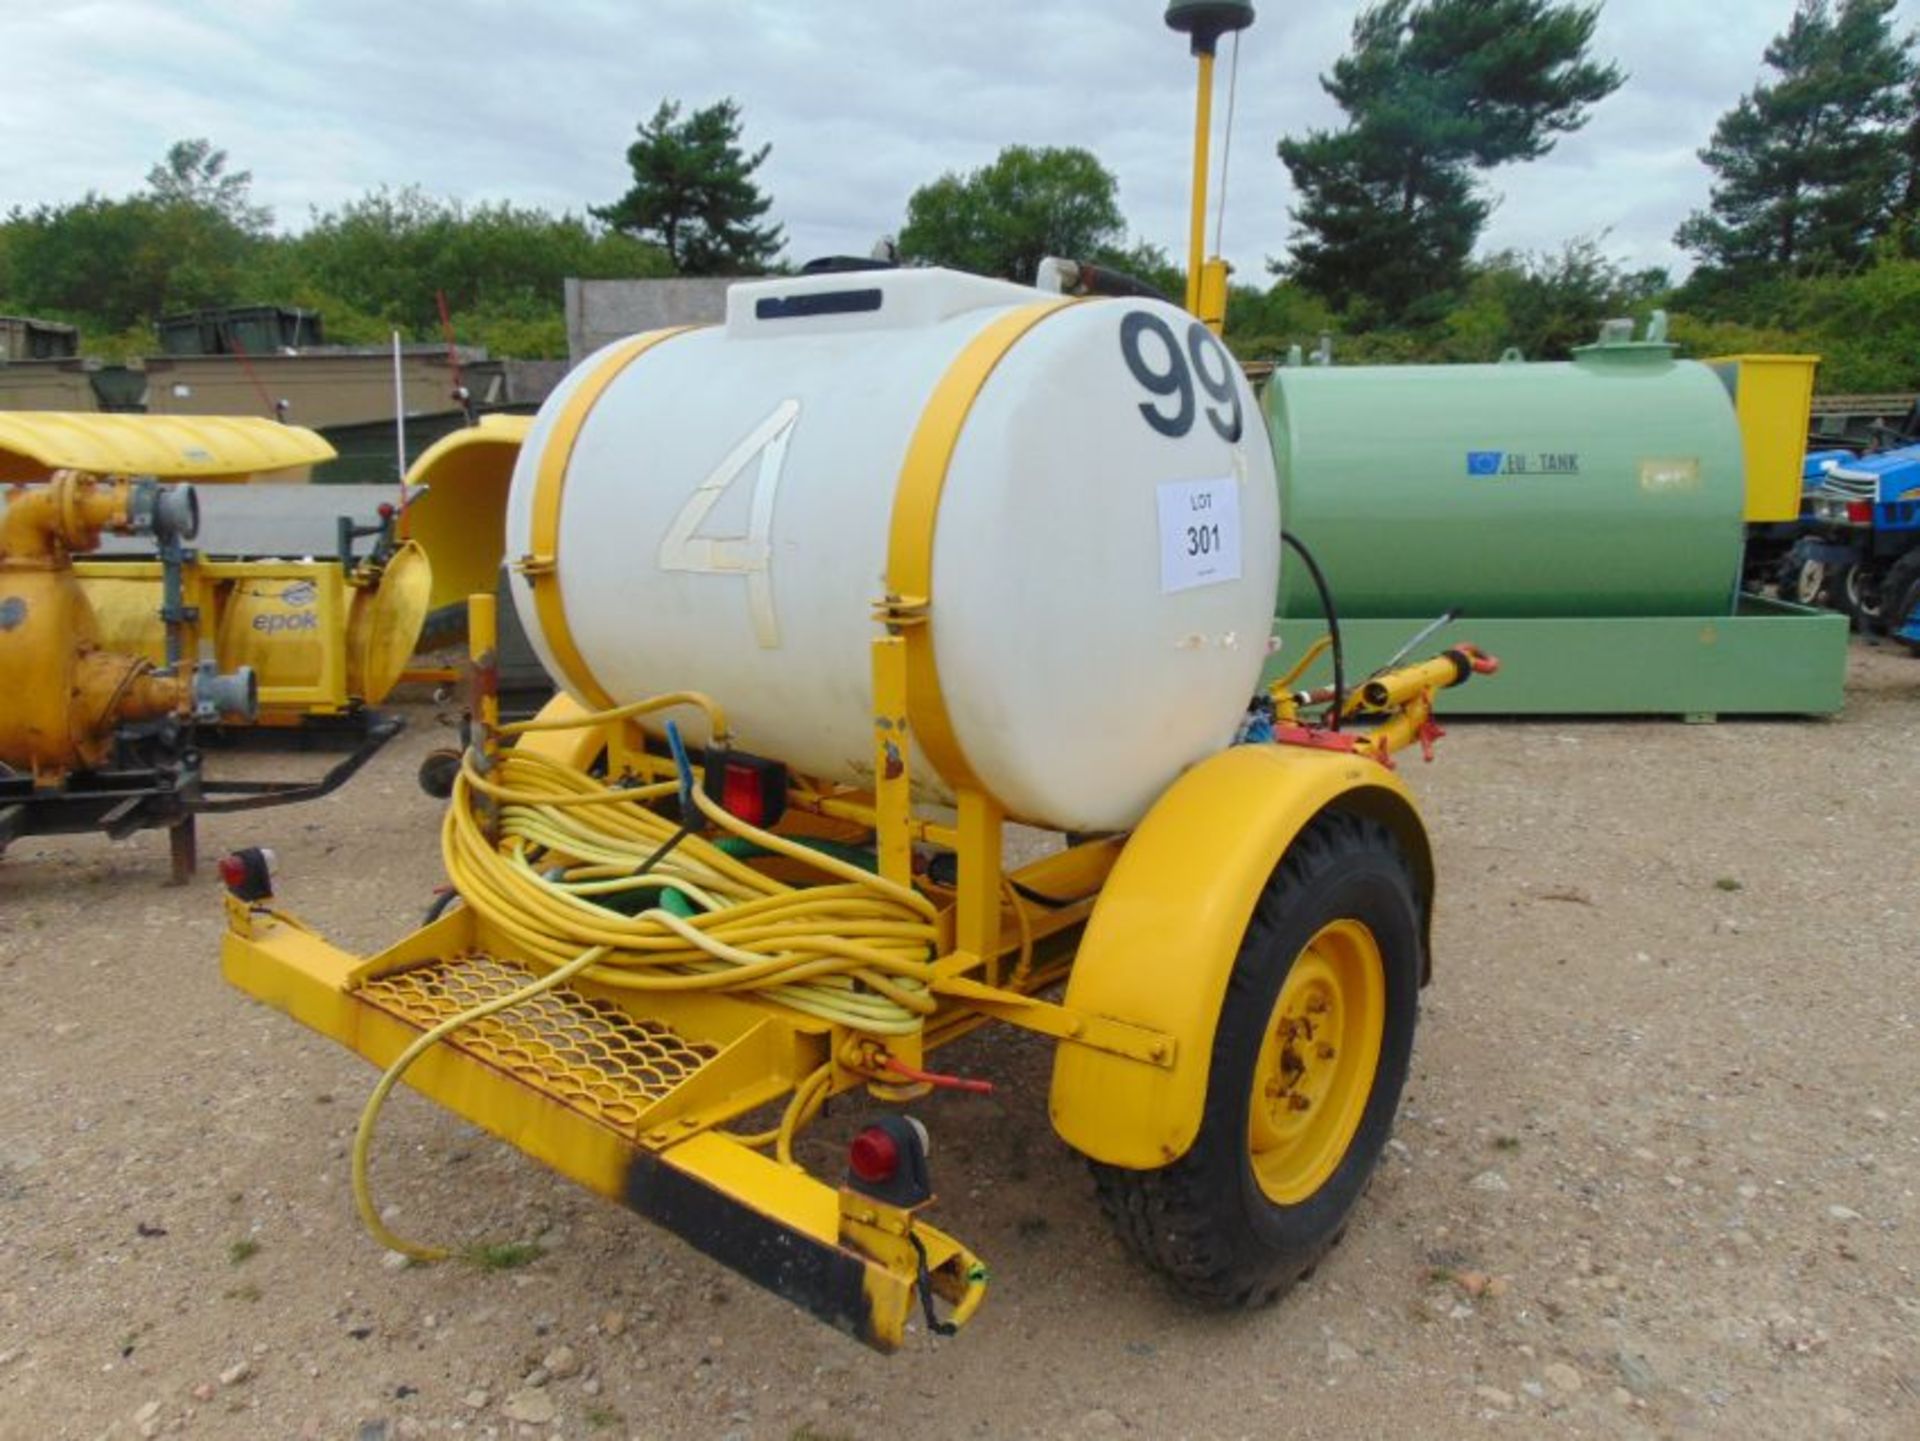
1333, 625
662, 851
1105, 280
1040, 898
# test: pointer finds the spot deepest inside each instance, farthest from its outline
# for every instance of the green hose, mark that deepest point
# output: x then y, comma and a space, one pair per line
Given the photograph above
632, 900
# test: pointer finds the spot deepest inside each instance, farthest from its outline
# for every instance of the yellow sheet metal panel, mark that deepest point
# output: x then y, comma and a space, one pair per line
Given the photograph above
1773, 396
461, 520
384, 620
126, 597
36, 443
287, 620
575, 746
1164, 934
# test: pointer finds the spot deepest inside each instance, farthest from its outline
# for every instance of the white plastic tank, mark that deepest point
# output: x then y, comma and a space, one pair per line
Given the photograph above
1105, 552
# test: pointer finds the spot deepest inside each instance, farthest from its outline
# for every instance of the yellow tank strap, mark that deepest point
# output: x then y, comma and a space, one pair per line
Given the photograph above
916, 511
541, 565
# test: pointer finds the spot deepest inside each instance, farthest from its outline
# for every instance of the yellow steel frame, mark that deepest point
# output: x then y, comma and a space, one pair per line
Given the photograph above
679, 1144
1132, 1067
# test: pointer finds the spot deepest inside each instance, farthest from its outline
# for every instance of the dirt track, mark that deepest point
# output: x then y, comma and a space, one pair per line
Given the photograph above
1655, 1175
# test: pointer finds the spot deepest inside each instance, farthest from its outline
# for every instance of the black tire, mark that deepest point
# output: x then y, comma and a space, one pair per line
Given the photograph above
437, 773
1907, 607
1861, 591
1899, 594
1205, 1222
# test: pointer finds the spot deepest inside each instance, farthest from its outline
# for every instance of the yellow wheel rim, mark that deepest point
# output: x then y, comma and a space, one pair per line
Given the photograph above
1317, 1062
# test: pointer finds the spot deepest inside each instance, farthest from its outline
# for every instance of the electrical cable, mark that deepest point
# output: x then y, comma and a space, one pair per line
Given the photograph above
1287, 537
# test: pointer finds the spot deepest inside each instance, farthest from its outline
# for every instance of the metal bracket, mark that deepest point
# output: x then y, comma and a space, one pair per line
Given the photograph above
1101, 1033
895, 611
534, 566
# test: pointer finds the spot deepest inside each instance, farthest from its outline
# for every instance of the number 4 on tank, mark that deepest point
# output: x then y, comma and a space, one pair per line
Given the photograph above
748, 555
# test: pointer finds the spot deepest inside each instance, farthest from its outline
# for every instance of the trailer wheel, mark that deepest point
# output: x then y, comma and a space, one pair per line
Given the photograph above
1810, 582
1861, 592
438, 771
1900, 595
1311, 1052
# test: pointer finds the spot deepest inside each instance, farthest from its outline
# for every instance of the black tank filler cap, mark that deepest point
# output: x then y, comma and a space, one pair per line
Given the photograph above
1207, 20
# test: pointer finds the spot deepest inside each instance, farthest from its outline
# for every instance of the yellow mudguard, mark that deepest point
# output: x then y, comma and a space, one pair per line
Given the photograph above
1163, 937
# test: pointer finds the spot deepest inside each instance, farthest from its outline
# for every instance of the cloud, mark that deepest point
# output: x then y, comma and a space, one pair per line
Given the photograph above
536, 104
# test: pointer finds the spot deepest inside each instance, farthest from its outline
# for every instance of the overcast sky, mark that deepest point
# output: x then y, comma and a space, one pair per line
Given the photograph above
536, 102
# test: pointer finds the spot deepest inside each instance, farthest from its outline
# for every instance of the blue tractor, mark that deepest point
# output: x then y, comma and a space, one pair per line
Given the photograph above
1859, 550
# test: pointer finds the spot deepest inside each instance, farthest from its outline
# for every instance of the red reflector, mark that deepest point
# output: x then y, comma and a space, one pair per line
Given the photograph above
248, 873
386, 510
742, 795
1860, 512
873, 1156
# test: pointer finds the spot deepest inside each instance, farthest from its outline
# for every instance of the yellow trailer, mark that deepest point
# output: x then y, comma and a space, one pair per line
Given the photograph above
909, 555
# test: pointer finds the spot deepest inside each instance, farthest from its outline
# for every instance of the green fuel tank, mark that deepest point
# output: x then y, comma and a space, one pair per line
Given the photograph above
1610, 485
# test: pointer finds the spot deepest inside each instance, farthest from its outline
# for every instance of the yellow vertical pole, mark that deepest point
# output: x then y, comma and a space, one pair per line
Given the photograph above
977, 921
1202, 136
892, 785
331, 607
483, 650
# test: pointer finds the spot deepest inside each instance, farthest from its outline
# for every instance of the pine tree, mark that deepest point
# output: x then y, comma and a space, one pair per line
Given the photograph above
693, 193
1909, 220
1808, 166
1435, 92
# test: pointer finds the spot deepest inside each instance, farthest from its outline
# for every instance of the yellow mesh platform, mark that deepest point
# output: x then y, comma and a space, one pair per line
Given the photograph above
585, 1053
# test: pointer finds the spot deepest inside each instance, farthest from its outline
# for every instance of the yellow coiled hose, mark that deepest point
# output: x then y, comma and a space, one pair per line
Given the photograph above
855, 949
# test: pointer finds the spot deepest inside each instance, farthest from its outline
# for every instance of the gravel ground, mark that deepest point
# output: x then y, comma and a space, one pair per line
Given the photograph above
1654, 1176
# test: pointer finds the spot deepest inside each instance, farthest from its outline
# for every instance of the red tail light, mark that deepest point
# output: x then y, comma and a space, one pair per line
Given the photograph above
740, 794
747, 786
1860, 512
874, 1156
248, 874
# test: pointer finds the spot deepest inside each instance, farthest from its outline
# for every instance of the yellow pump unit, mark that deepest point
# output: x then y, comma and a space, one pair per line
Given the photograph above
109, 667
66, 692
323, 639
